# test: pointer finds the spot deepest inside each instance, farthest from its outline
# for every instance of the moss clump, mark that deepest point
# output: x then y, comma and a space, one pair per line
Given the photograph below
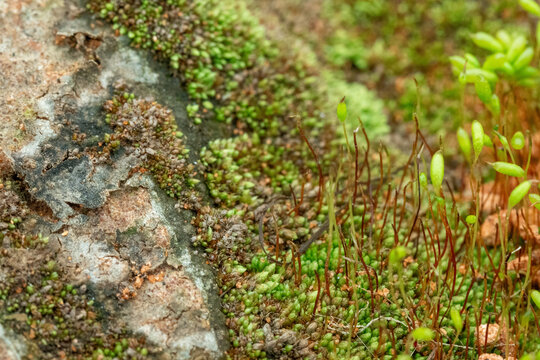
149, 130
363, 104
12, 208
59, 318
218, 50
243, 170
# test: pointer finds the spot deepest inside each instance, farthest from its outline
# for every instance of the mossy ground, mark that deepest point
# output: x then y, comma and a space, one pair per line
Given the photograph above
303, 227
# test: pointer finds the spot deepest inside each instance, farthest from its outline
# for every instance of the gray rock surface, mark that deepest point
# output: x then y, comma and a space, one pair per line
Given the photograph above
11, 347
113, 231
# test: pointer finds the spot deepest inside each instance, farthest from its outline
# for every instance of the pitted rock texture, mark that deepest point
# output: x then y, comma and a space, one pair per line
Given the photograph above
112, 230
128, 250
11, 347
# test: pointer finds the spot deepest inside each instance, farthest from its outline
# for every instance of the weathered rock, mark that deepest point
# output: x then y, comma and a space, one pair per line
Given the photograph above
113, 231
11, 348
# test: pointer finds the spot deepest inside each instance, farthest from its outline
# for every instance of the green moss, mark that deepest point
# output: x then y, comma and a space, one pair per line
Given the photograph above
241, 170
333, 293
362, 104
221, 54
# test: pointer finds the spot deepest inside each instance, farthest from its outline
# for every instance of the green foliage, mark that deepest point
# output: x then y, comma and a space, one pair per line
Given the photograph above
508, 169
362, 104
457, 321
471, 219
344, 49
531, 6
221, 53
341, 110
464, 143
437, 170
477, 132
234, 169
535, 200
518, 140
518, 194
423, 334
269, 204
397, 255
535, 297
510, 58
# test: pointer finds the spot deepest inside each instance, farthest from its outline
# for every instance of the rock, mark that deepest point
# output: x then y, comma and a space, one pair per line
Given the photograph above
114, 232
173, 314
11, 347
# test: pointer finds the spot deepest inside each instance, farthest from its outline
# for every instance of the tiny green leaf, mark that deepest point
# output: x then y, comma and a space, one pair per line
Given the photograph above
495, 105
509, 169
464, 143
518, 193
524, 59
504, 38
494, 62
404, 357
530, 6
483, 90
537, 37
518, 140
437, 170
424, 334
486, 41
535, 200
456, 319
528, 72
472, 61
503, 140
342, 110
423, 179
507, 69
458, 64
535, 297
487, 141
528, 82
477, 133
472, 76
516, 48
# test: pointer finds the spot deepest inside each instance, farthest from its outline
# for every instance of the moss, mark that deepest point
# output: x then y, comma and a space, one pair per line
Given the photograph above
59, 318
240, 170
363, 104
230, 70
338, 297
148, 130
270, 291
